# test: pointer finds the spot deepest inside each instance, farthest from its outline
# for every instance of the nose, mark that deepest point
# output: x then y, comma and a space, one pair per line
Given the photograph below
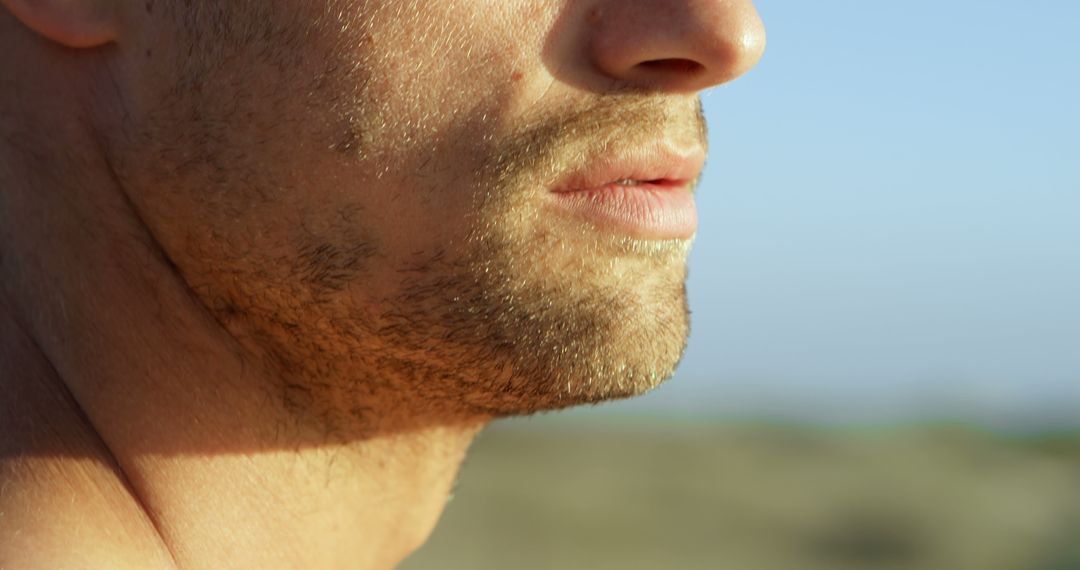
675, 45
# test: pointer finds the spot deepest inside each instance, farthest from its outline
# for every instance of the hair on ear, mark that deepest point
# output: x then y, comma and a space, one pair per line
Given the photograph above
70, 23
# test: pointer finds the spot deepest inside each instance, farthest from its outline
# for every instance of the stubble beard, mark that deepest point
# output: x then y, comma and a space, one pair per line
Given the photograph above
541, 311
524, 311
508, 341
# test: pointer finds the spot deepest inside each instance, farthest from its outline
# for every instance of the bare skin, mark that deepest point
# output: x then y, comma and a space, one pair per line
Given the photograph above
263, 346
177, 454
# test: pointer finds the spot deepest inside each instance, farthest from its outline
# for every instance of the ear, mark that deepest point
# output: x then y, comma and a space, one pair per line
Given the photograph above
70, 23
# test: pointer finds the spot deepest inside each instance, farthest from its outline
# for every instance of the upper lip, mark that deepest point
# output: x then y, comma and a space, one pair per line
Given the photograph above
659, 163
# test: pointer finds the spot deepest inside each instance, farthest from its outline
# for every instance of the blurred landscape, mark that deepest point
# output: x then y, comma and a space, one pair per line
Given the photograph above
633, 493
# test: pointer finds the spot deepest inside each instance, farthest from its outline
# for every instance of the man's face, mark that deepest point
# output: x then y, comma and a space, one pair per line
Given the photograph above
371, 193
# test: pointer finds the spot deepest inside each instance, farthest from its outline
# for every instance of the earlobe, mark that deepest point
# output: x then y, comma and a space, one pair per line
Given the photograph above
71, 23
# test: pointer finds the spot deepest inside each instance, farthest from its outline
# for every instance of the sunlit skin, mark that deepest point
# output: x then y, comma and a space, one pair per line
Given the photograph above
268, 266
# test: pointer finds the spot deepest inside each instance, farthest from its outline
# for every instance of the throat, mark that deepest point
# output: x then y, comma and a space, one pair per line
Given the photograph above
66, 501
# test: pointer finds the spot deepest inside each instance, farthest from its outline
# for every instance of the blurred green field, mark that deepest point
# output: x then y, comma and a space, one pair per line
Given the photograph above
628, 495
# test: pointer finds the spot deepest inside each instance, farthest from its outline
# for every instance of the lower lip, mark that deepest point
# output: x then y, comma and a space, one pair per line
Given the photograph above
644, 211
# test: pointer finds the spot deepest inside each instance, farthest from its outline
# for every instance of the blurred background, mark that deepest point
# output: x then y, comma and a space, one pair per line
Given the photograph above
884, 369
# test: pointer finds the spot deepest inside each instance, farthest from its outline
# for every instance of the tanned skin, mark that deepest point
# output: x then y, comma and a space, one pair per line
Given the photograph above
268, 266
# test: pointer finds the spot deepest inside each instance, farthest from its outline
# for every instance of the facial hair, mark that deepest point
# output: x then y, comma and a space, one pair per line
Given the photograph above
541, 312
520, 311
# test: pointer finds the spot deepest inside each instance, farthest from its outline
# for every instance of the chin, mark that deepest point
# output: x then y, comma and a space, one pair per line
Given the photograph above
531, 320
610, 363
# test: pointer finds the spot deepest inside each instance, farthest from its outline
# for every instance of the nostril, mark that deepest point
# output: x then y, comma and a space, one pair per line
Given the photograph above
673, 65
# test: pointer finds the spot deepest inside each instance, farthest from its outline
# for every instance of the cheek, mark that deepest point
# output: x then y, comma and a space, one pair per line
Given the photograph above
376, 128
433, 62
437, 82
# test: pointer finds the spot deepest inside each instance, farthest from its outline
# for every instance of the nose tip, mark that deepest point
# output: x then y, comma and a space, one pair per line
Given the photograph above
676, 45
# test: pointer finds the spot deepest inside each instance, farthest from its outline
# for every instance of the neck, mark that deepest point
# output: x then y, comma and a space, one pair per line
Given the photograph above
198, 454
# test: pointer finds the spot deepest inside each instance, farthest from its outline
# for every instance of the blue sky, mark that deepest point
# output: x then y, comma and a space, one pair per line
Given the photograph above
891, 218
